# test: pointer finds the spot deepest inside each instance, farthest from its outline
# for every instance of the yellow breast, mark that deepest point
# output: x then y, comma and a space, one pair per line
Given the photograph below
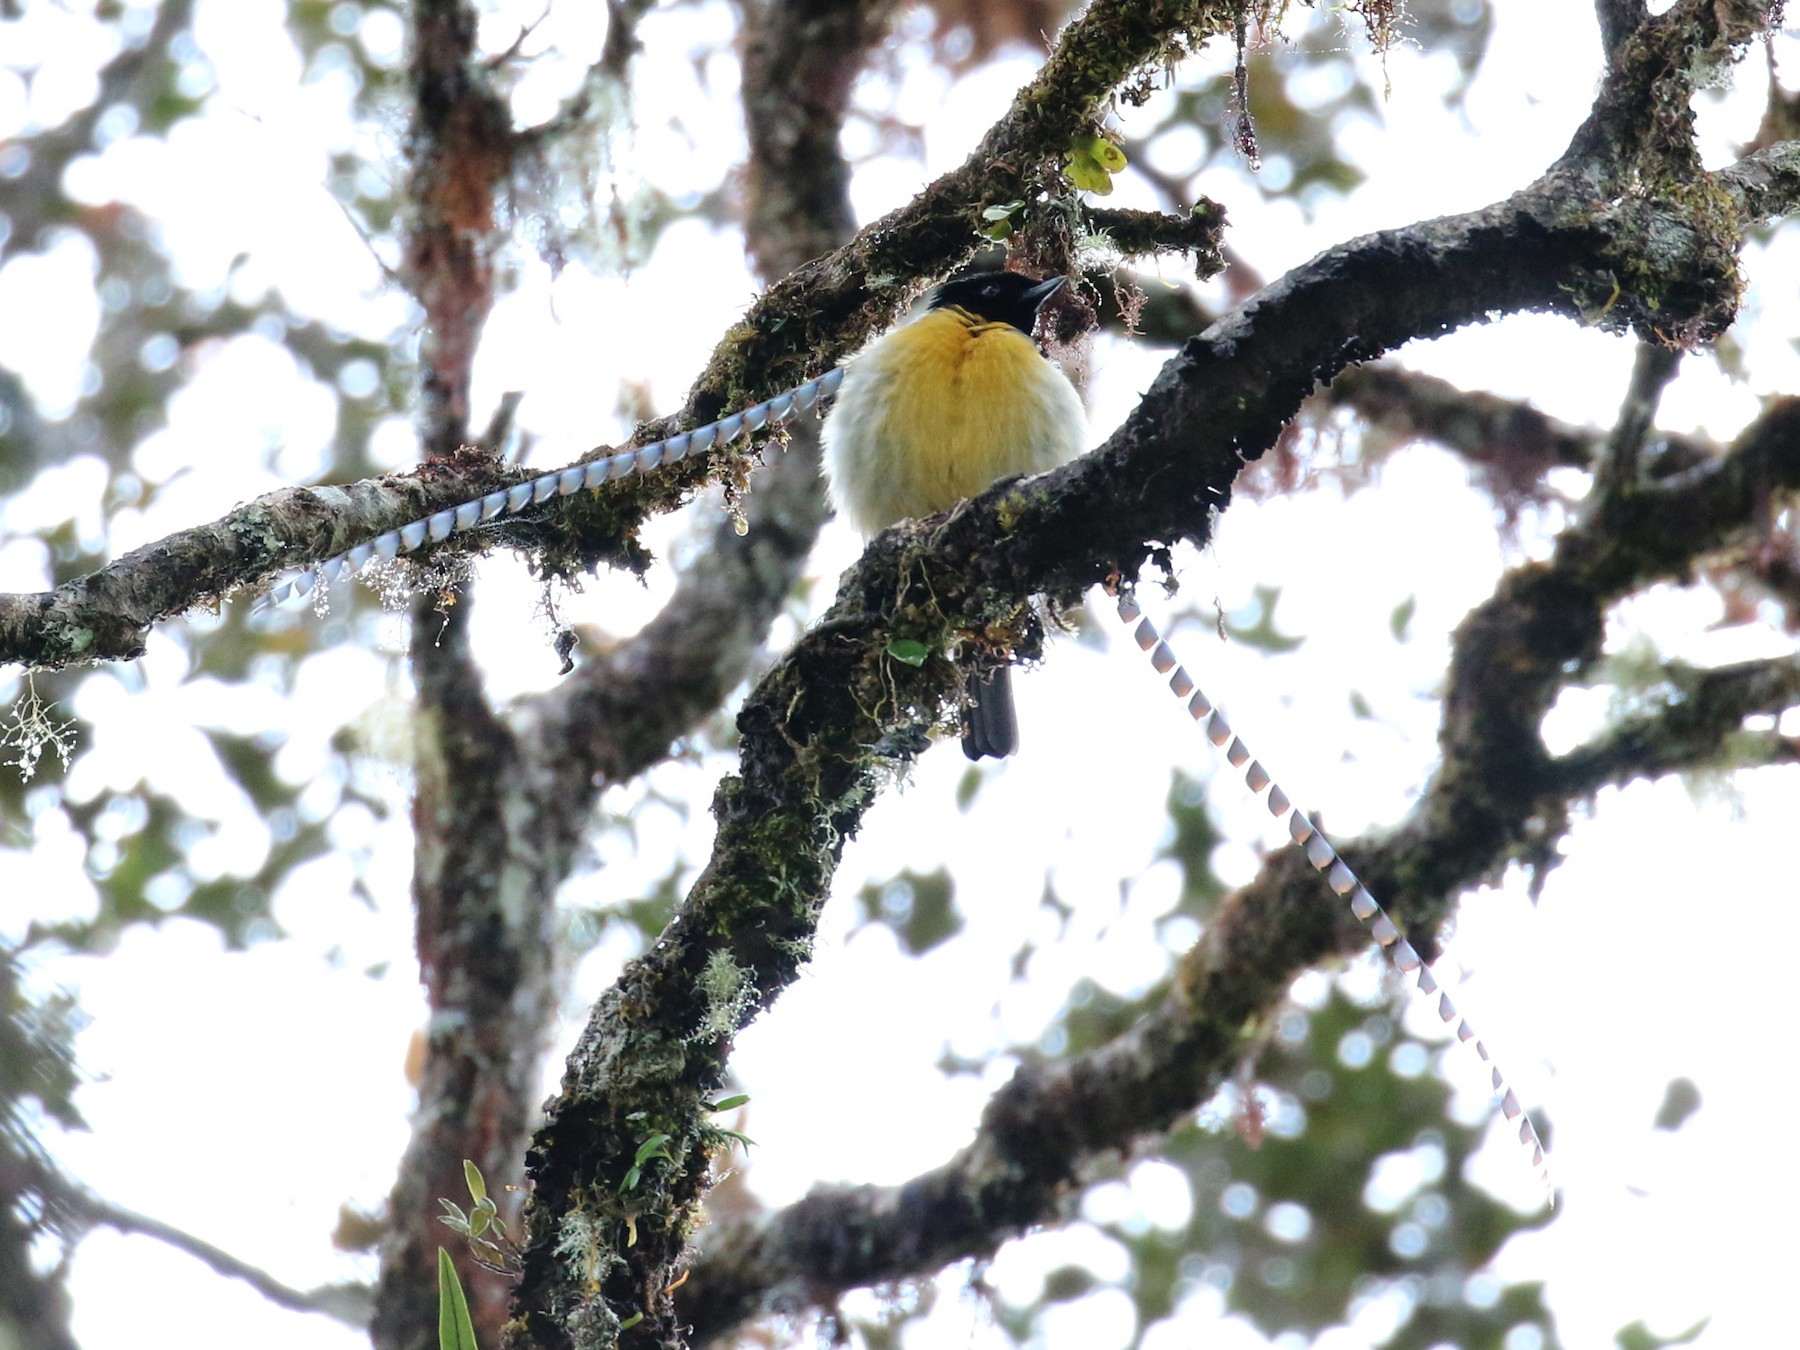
937, 410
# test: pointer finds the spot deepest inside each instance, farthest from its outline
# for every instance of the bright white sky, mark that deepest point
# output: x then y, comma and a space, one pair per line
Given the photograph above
1615, 983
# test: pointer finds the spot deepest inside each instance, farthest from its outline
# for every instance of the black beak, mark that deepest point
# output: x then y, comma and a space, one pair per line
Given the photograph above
1041, 292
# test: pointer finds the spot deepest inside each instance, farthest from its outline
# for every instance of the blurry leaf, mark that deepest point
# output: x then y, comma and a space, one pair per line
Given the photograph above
919, 907
1680, 1100
455, 1329
1637, 1336
357, 1231
728, 1103
1339, 1089
1069, 1282
476, 1182
967, 786
1262, 634
37, 1053
1401, 619
1195, 838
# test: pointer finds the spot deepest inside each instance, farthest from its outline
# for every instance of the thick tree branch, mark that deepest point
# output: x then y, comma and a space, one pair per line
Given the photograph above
1619, 19
460, 150
1766, 184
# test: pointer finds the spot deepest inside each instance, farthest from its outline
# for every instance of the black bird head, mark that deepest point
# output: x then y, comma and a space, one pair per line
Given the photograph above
998, 297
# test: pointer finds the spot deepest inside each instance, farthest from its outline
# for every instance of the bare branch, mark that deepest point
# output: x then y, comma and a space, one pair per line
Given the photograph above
1652, 369
1481, 427
1699, 726
347, 1303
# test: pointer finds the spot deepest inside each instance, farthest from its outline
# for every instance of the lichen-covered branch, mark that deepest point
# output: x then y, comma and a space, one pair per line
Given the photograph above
1137, 233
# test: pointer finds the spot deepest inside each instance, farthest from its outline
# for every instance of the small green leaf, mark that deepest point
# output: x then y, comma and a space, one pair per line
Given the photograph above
1401, 619
456, 1331
728, 1103
631, 1321
453, 1218
1085, 173
479, 1220
632, 1175
1111, 158
1002, 229
743, 1139
910, 651
1002, 211
476, 1182
651, 1148
967, 786
1102, 151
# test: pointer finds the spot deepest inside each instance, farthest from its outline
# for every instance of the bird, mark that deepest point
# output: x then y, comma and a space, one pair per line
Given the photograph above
941, 408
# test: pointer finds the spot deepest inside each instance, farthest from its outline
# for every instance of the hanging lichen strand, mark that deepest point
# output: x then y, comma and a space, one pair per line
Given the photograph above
1322, 856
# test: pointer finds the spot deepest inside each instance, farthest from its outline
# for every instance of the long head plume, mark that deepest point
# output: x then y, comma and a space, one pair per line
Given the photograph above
587, 475
1338, 876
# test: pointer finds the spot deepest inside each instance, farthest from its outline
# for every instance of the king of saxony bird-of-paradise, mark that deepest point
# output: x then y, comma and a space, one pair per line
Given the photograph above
938, 410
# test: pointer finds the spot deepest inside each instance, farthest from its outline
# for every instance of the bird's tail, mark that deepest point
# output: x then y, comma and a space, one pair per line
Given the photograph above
990, 726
